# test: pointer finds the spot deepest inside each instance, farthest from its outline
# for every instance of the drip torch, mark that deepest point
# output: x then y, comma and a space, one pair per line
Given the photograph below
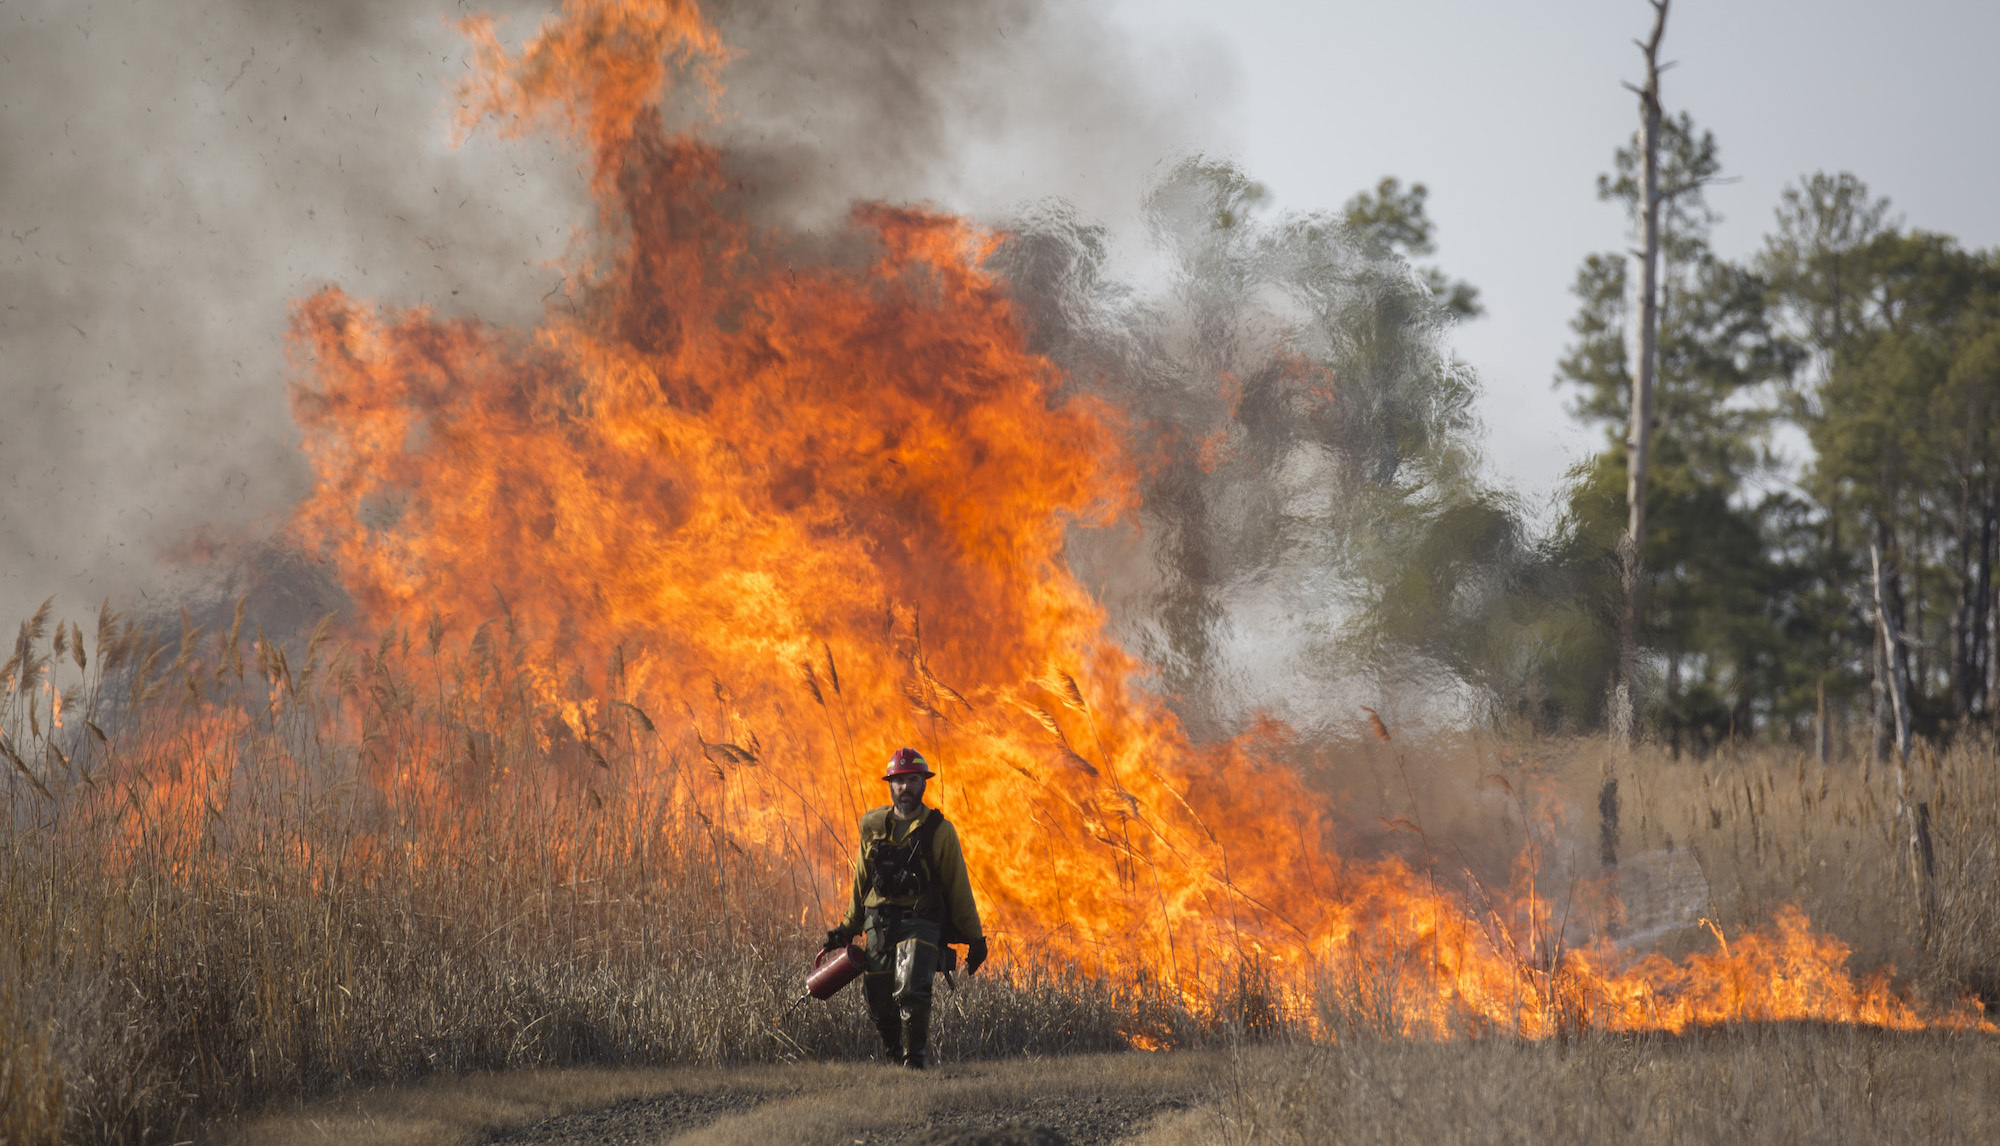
831, 971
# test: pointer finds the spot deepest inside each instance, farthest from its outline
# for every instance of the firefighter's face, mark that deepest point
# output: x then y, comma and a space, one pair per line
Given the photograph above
906, 791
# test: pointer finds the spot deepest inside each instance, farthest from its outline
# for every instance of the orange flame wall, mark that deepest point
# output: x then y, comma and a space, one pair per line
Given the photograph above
843, 485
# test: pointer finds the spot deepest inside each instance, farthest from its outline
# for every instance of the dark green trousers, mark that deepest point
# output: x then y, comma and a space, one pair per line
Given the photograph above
902, 959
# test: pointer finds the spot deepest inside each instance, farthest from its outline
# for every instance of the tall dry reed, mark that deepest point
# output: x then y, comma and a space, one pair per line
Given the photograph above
236, 872
1772, 825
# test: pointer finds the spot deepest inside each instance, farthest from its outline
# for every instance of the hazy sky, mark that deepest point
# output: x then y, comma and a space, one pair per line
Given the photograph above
1509, 111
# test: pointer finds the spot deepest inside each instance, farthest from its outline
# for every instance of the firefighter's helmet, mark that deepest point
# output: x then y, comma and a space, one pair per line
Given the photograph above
907, 762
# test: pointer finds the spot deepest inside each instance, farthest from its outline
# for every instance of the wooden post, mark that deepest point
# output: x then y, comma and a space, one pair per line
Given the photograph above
1923, 869
1822, 735
1607, 852
1607, 825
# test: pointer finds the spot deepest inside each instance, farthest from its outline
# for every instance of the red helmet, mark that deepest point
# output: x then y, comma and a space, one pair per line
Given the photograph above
907, 762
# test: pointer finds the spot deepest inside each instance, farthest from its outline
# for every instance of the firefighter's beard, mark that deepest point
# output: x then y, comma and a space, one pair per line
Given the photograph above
909, 800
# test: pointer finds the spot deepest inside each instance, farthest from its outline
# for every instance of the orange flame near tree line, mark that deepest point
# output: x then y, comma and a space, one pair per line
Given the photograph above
845, 486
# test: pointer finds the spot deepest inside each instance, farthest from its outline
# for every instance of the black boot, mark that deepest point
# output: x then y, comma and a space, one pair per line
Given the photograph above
878, 990
916, 1034
892, 1044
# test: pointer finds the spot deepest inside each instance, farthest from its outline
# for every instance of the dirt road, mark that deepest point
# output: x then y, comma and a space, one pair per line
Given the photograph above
1758, 1083
1074, 1101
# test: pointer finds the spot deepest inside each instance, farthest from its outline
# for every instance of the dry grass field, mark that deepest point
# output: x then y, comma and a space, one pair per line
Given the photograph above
235, 879
213, 898
1756, 1084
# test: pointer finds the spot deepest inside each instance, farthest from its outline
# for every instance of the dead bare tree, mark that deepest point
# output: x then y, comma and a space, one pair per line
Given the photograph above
1624, 724
1913, 816
1623, 721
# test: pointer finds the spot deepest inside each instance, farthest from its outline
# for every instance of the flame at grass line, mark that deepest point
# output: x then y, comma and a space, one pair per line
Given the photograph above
817, 506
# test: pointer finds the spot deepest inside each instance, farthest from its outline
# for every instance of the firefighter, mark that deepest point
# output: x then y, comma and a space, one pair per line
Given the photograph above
912, 897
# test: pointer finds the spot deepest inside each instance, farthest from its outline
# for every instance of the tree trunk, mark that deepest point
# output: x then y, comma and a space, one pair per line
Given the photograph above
1624, 699
1893, 666
1962, 640
1880, 725
1912, 815
1917, 666
1992, 598
1973, 688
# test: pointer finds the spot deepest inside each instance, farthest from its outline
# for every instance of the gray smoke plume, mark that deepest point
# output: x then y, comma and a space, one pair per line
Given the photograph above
173, 174
976, 106
1314, 533
170, 176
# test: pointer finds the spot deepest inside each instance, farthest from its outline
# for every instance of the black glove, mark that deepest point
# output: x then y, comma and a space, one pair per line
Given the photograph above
975, 955
836, 938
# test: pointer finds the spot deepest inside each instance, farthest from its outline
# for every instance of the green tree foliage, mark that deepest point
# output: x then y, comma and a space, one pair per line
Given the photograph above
1880, 344
1308, 462
1817, 262
1390, 222
1714, 614
1905, 429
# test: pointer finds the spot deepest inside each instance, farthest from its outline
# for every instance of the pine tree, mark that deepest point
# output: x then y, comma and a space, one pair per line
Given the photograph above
1714, 617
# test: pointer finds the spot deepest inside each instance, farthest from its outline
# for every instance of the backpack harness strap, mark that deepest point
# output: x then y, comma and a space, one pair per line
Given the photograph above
920, 842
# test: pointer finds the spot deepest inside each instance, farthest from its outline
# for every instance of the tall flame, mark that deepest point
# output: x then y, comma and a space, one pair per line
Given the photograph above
819, 504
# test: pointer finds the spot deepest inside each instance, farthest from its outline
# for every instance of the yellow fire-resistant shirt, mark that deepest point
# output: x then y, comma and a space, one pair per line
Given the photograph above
947, 868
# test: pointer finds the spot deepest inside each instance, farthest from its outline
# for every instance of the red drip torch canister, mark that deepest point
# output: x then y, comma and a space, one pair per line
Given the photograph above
834, 970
